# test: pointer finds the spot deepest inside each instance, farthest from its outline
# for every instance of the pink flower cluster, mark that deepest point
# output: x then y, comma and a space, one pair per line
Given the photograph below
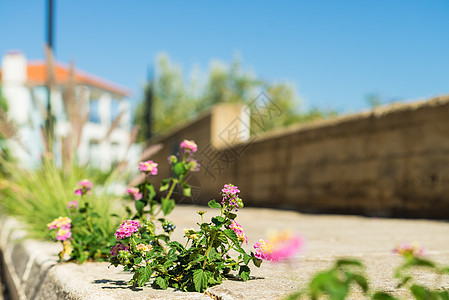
263, 250
281, 246
83, 187
193, 164
148, 167
116, 248
409, 250
133, 193
127, 228
62, 224
238, 229
188, 147
63, 234
230, 198
72, 205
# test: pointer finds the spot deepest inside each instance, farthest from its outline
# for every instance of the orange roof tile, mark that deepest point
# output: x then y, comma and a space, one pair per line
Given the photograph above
37, 74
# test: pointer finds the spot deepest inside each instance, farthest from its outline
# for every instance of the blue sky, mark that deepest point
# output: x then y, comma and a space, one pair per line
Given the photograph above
335, 52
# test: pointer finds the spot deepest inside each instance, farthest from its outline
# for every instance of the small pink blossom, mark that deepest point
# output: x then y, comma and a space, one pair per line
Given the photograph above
172, 159
83, 187
409, 250
281, 246
193, 164
133, 193
127, 228
238, 229
61, 222
148, 167
63, 234
230, 199
188, 147
72, 205
263, 249
116, 248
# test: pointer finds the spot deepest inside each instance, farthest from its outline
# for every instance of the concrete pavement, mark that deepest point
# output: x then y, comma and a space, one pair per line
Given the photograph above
327, 238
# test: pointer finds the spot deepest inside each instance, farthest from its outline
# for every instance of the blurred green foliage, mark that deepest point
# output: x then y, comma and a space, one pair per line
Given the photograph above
338, 282
38, 196
173, 99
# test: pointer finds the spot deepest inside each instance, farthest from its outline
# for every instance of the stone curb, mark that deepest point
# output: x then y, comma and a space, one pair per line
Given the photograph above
32, 272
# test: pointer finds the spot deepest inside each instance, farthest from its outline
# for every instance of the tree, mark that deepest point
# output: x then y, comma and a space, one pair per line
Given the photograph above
174, 99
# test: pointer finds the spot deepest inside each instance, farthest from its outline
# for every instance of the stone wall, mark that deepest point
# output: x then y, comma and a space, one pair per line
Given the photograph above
392, 161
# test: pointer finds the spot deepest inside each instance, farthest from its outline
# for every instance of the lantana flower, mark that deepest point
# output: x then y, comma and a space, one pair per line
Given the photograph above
66, 250
190, 234
238, 229
230, 198
63, 234
72, 205
280, 246
116, 248
193, 164
126, 229
188, 147
149, 167
61, 222
172, 159
409, 250
144, 248
83, 187
133, 193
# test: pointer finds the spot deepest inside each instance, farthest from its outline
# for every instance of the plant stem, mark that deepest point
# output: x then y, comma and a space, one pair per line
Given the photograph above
89, 223
208, 247
172, 188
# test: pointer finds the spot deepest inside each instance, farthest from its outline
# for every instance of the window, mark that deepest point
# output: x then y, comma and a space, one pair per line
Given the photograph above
94, 115
115, 109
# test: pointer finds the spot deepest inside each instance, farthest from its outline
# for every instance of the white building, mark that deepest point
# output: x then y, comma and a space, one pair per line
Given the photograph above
23, 85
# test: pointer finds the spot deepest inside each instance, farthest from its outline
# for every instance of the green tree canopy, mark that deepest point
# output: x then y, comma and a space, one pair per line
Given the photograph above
174, 99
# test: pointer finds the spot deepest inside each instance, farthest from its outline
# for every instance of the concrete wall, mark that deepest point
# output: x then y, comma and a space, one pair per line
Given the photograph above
393, 161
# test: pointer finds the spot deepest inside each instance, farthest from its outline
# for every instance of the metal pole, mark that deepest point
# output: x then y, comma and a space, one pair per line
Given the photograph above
50, 24
49, 124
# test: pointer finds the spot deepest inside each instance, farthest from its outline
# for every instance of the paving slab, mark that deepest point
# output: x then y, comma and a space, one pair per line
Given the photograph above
327, 237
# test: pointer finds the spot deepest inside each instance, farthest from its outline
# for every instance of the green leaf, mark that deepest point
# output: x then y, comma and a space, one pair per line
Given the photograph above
151, 191
144, 274
246, 258
293, 296
218, 220
444, 295
187, 191
137, 260
200, 280
167, 205
139, 206
361, 281
231, 216
257, 261
179, 169
213, 204
244, 273
418, 262
176, 245
382, 296
161, 282
165, 184
348, 262
232, 236
420, 292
